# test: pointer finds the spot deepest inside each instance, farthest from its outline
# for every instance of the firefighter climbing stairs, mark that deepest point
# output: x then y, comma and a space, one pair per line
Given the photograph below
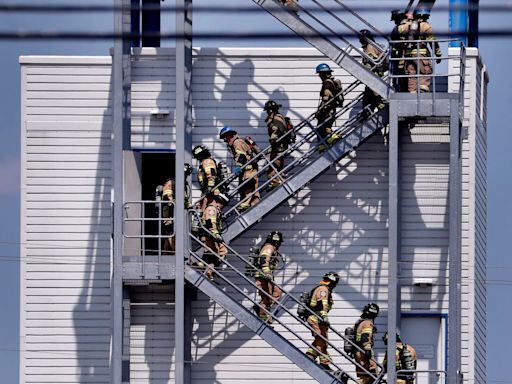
230, 290
354, 134
303, 169
250, 320
324, 36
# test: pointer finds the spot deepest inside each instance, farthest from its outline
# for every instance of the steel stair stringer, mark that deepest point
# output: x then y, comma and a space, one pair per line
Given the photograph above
311, 171
327, 47
273, 338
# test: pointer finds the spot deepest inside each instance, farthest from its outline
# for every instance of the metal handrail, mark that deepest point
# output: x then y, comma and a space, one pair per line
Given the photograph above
429, 45
279, 304
308, 155
309, 12
384, 51
299, 128
143, 235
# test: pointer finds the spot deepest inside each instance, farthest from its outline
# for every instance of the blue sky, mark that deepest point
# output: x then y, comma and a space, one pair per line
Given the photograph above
496, 53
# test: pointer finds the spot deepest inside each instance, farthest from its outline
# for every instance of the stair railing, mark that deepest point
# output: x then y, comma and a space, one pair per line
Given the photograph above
279, 305
298, 129
306, 156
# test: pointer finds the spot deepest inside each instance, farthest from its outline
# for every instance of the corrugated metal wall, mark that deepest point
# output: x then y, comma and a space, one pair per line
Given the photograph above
339, 222
65, 218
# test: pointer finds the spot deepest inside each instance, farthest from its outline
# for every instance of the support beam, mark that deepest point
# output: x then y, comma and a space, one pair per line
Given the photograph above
126, 336
121, 126
458, 21
455, 263
183, 139
393, 236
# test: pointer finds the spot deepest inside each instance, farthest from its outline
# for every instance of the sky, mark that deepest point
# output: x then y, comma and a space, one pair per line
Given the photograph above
496, 54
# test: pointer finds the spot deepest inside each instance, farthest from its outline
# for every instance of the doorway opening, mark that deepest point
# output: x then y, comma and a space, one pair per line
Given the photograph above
157, 168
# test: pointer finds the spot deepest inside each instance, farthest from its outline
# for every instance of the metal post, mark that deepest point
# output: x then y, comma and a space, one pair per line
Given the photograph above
135, 23
121, 124
183, 139
458, 21
455, 198
126, 336
473, 23
150, 23
393, 236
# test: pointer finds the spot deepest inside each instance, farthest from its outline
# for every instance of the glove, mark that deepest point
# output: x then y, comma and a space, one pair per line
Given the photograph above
368, 353
438, 61
237, 170
267, 273
218, 238
325, 320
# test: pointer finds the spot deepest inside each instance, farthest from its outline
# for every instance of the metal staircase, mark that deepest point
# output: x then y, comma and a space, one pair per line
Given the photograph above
308, 162
320, 27
307, 168
238, 288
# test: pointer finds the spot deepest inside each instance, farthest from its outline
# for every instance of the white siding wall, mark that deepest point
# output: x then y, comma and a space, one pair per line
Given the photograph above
152, 335
65, 218
424, 160
474, 221
339, 222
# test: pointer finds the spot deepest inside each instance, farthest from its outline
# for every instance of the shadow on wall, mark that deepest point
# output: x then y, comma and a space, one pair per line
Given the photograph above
213, 102
425, 217
91, 313
349, 236
152, 102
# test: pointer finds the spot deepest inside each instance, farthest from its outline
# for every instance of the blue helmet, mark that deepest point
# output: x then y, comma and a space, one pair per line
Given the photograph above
323, 68
224, 131
422, 12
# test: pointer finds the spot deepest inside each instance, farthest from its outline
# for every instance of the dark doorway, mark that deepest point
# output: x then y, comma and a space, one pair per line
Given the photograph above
156, 169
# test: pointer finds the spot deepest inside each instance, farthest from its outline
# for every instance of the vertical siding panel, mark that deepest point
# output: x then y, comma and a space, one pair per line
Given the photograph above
65, 308
424, 208
152, 335
474, 214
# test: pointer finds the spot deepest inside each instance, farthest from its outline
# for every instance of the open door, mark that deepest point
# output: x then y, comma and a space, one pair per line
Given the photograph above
430, 345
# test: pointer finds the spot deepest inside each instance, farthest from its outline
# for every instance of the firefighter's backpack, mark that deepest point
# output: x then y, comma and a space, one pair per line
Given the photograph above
289, 130
304, 309
254, 262
407, 362
338, 95
255, 148
222, 175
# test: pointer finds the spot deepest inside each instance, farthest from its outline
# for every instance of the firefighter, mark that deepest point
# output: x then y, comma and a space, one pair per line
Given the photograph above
188, 172
364, 338
166, 193
248, 176
326, 114
215, 250
278, 126
397, 51
269, 261
321, 303
419, 54
164, 196
206, 173
371, 101
406, 360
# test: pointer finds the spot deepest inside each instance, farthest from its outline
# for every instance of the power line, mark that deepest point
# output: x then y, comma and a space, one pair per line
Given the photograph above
89, 8
81, 35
